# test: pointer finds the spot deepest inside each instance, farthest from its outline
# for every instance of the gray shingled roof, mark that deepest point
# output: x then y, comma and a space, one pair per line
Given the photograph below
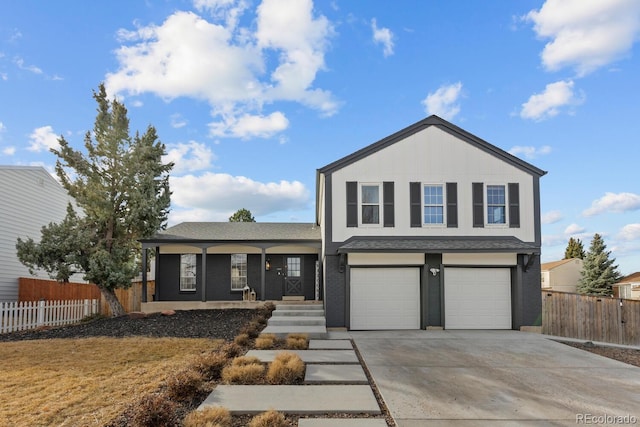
238, 231
470, 244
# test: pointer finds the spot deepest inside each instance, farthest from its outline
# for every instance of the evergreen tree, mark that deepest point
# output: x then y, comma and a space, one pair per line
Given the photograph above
242, 215
575, 249
598, 271
122, 188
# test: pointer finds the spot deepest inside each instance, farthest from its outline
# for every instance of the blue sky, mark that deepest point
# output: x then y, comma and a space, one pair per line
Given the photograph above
251, 97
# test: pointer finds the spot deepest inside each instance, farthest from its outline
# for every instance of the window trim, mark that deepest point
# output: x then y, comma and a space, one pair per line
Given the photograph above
234, 262
183, 277
505, 206
443, 205
380, 204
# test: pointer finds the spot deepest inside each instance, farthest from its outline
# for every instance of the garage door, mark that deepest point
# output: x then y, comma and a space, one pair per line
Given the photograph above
385, 298
477, 298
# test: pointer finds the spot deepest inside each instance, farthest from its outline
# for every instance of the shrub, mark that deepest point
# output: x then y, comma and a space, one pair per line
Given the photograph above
242, 340
297, 342
270, 418
210, 364
231, 349
184, 385
266, 341
154, 410
286, 368
244, 370
212, 416
252, 329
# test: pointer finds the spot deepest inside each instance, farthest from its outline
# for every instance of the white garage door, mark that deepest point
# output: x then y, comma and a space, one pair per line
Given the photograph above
385, 298
477, 298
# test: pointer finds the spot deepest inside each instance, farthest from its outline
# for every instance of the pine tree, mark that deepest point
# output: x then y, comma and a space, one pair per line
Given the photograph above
575, 249
598, 271
122, 188
242, 215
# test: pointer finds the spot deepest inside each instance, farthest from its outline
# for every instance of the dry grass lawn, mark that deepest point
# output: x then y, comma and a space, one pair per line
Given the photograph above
85, 382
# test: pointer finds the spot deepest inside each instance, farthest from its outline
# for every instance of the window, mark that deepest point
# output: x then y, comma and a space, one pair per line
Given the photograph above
293, 266
188, 272
238, 271
496, 204
370, 204
433, 208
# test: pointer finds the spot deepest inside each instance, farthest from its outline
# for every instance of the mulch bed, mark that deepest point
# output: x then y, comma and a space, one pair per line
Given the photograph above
627, 355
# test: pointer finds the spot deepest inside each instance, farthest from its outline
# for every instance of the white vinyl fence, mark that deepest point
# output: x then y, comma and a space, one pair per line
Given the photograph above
18, 316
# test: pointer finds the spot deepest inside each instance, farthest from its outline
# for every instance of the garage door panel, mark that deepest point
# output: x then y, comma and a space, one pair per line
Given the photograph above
385, 298
477, 298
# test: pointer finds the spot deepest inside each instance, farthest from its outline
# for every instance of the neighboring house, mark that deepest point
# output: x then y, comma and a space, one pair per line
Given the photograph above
429, 227
30, 199
562, 276
628, 287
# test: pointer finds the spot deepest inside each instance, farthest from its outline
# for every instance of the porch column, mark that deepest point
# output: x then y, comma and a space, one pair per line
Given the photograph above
263, 274
144, 274
203, 280
156, 289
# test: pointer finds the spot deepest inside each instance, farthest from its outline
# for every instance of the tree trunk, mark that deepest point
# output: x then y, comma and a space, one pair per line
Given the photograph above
114, 304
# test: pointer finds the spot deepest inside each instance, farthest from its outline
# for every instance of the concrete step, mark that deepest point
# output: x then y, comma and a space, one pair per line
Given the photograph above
297, 321
285, 307
287, 313
313, 332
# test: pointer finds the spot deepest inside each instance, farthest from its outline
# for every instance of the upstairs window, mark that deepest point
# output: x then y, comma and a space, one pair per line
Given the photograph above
188, 272
370, 204
238, 272
496, 204
433, 207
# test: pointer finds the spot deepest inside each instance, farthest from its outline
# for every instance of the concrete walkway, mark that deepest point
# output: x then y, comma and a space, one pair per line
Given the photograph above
335, 382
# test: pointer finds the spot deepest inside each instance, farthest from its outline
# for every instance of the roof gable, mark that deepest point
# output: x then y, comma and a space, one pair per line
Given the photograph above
554, 264
446, 127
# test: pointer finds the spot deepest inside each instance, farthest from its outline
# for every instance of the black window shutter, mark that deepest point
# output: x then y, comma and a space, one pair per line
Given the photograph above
388, 201
478, 204
352, 204
415, 202
452, 205
514, 205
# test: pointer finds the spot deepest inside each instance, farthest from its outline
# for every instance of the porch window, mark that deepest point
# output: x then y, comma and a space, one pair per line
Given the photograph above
188, 273
238, 271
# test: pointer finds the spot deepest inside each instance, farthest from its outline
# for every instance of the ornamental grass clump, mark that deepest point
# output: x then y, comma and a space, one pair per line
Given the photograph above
244, 370
286, 368
155, 409
242, 340
213, 416
266, 341
297, 342
270, 418
183, 385
210, 364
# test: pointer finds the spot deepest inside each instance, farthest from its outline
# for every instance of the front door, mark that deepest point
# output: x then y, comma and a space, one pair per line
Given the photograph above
293, 276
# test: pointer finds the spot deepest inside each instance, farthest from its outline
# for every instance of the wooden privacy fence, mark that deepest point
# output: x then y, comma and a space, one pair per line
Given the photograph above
18, 316
606, 319
31, 289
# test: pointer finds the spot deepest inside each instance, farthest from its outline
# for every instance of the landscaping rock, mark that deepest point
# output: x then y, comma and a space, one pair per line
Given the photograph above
168, 313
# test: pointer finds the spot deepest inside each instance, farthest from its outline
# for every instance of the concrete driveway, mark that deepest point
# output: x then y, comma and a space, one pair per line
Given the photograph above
504, 378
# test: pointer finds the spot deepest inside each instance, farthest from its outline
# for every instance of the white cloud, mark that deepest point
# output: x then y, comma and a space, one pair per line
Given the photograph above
574, 229
9, 151
530, 152
214, 196
177, 121
586, 34
612, 202
188, 157
443, 102
31, 68
382, 36
630, 232
248, 126
43, 138
551, 217
236, 70
547, 104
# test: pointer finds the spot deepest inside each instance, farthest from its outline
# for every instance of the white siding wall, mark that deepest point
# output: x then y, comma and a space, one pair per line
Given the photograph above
432, 156
565, 277
29, 199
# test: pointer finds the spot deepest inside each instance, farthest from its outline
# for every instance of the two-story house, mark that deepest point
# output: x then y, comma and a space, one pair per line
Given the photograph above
429, 227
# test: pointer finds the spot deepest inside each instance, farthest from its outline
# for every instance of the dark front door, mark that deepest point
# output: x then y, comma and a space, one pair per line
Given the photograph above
293, 276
